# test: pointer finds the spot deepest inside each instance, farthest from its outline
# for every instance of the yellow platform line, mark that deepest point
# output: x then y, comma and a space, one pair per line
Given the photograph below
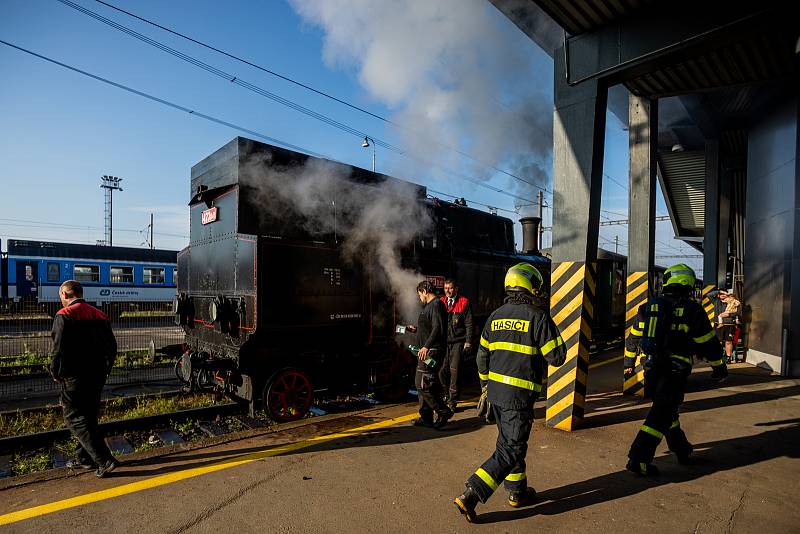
177, 476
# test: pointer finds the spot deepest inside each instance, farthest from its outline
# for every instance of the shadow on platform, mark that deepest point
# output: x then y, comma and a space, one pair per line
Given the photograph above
400, 434
709, 458
611, 408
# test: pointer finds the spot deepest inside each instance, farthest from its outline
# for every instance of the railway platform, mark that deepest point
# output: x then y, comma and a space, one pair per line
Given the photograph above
373, 472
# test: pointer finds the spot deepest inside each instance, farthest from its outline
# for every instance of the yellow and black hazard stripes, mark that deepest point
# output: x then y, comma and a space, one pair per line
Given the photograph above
637, 290
572, 297
706, 302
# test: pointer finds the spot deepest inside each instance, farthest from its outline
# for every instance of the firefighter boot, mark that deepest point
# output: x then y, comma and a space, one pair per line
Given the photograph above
466, 504
419, 421
443, 418
521, 498
684, 454
642, 468
678, 444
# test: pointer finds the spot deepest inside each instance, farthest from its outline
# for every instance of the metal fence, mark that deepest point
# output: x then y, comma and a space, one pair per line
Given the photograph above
25, 346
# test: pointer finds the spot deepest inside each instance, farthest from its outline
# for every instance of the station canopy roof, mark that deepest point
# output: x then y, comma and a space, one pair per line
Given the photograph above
713, 66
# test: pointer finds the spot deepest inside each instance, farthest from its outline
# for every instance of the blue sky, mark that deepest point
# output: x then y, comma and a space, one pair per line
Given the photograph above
61, 131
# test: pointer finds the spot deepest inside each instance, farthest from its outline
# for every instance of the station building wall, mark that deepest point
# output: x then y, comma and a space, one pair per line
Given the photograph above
772, 255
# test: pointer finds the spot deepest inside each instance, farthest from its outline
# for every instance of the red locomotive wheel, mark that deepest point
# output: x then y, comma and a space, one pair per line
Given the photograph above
288, 395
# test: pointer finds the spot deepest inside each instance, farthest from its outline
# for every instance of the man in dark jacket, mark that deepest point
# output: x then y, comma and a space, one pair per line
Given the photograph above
517, 343
432, 340
666, 372
459, 339
84, 350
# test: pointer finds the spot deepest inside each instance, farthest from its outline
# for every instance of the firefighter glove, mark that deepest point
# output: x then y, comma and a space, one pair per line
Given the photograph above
484, 407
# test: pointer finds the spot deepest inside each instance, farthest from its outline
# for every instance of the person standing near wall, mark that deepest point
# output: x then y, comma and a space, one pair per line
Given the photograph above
728, 322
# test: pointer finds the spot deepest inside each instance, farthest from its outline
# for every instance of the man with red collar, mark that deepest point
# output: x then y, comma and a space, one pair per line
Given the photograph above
84, 350
459, 339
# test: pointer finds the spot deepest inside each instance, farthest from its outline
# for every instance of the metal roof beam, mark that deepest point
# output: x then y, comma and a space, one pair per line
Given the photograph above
533, 22
659, 35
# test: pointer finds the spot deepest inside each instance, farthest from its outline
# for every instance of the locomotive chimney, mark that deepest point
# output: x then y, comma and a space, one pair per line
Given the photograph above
530, 235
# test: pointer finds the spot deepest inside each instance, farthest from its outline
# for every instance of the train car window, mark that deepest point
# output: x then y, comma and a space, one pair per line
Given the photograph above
121, 275
53, 272
153, 275
175, 276
86, 273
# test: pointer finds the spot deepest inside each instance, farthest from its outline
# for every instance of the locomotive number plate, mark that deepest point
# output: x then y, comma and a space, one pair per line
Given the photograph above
208, 216
437, 281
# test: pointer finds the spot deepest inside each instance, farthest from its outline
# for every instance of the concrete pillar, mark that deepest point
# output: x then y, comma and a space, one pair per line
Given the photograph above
711, 233
643, 142
724, 221
578, 137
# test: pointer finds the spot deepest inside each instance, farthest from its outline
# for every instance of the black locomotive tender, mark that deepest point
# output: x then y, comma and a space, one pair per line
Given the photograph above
274, 312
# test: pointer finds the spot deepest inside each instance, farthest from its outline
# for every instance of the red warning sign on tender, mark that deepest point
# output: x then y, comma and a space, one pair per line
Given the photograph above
208, 216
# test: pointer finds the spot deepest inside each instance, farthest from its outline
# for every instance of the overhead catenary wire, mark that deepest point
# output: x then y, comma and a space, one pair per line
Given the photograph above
162, 101
46, 224
314, 90
285, 101
624, 187
227, 124
267, 138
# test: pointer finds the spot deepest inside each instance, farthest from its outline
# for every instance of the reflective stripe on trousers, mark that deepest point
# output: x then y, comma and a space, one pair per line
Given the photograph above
507, 463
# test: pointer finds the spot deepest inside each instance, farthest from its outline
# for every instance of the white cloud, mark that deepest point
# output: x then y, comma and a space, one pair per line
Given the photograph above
454, 72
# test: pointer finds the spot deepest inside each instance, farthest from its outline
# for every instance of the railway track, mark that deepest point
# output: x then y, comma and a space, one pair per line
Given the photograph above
111, 428
126, 436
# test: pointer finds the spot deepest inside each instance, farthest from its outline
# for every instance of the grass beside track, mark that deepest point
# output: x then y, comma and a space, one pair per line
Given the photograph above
31, 461
44, 419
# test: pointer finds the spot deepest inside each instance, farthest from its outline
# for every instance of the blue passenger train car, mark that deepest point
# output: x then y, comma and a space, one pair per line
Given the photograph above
32, 271
3, 275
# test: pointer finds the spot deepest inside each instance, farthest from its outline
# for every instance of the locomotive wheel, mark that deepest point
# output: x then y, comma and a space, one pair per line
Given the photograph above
288, 395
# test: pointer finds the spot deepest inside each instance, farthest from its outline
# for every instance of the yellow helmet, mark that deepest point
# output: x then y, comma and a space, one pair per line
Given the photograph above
679, 274
523, 277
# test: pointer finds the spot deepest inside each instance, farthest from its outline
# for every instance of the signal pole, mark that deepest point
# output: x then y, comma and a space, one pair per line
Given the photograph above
151, 231
110, 184
540, 214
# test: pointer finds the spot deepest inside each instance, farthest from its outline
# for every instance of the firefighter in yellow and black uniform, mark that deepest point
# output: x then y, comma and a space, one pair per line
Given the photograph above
690, 333
518, 341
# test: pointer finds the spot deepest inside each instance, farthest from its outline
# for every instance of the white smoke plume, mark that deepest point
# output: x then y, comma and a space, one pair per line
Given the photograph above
368, 220
454, 72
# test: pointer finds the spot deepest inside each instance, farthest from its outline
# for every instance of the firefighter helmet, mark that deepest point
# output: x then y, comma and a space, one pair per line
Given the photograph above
523, 277
679, 274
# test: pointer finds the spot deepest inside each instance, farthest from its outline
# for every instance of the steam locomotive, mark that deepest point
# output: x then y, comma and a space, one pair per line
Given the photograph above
281, 296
